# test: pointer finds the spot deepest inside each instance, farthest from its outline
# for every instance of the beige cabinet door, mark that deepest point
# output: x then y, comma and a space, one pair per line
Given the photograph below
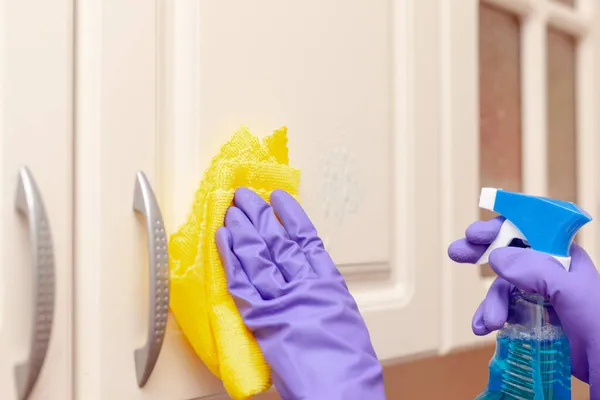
161, 85
36, 202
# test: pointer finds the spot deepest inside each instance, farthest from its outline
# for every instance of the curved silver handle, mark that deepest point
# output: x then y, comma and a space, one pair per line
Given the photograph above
145, 202
29, 203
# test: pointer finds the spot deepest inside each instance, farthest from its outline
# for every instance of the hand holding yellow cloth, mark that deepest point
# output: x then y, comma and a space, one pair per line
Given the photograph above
200, 300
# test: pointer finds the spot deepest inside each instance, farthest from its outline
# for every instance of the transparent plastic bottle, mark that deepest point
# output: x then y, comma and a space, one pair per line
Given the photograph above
532, 358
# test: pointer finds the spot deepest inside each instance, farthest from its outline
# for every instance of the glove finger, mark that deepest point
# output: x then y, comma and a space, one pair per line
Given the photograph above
497, 302
477, 324
478, 237
529, 270
484, 232
253, 254
463, 251
581, 263
595, 388
579, 357
593, 357
493, 310
238, 283
286, 253
302, 231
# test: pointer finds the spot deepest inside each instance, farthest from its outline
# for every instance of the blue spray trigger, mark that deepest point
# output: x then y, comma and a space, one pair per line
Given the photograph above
548, 225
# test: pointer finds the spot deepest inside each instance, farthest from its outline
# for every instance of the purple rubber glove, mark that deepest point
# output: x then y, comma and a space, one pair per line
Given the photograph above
292, 297
575, 295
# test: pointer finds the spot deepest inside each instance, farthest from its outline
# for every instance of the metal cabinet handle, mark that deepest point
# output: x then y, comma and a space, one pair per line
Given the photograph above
145, 202
29, 203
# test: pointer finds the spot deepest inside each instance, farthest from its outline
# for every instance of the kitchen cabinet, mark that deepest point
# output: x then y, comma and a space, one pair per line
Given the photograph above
36, 204
161, 85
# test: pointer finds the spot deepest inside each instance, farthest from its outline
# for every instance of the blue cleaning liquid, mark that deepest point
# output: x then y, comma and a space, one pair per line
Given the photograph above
529, 369
531, 362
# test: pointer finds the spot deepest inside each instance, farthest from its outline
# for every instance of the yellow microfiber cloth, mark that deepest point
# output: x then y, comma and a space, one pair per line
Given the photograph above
200, 301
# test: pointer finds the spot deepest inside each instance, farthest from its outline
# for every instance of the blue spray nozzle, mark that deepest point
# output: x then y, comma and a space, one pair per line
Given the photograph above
548, 225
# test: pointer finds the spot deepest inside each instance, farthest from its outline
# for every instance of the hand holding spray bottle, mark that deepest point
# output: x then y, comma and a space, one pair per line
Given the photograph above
532, 359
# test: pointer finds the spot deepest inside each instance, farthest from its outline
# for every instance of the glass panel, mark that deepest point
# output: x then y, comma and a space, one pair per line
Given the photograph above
562, 137
499, 102
566, 2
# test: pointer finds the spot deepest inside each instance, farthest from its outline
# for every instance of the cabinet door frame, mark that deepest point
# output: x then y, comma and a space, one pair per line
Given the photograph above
463, 286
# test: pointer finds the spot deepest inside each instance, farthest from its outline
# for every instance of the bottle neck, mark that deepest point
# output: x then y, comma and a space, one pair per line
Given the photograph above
532, 312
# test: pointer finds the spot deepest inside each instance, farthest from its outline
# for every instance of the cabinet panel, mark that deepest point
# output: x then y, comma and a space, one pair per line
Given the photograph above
330, 84
500, 152
562, 112
500, 138
36, 58
353, 83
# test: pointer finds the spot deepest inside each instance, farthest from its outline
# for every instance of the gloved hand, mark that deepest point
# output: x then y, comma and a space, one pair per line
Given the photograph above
574, 294
292, 297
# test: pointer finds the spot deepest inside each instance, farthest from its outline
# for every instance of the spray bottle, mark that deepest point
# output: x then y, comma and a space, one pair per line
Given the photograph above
532, 358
